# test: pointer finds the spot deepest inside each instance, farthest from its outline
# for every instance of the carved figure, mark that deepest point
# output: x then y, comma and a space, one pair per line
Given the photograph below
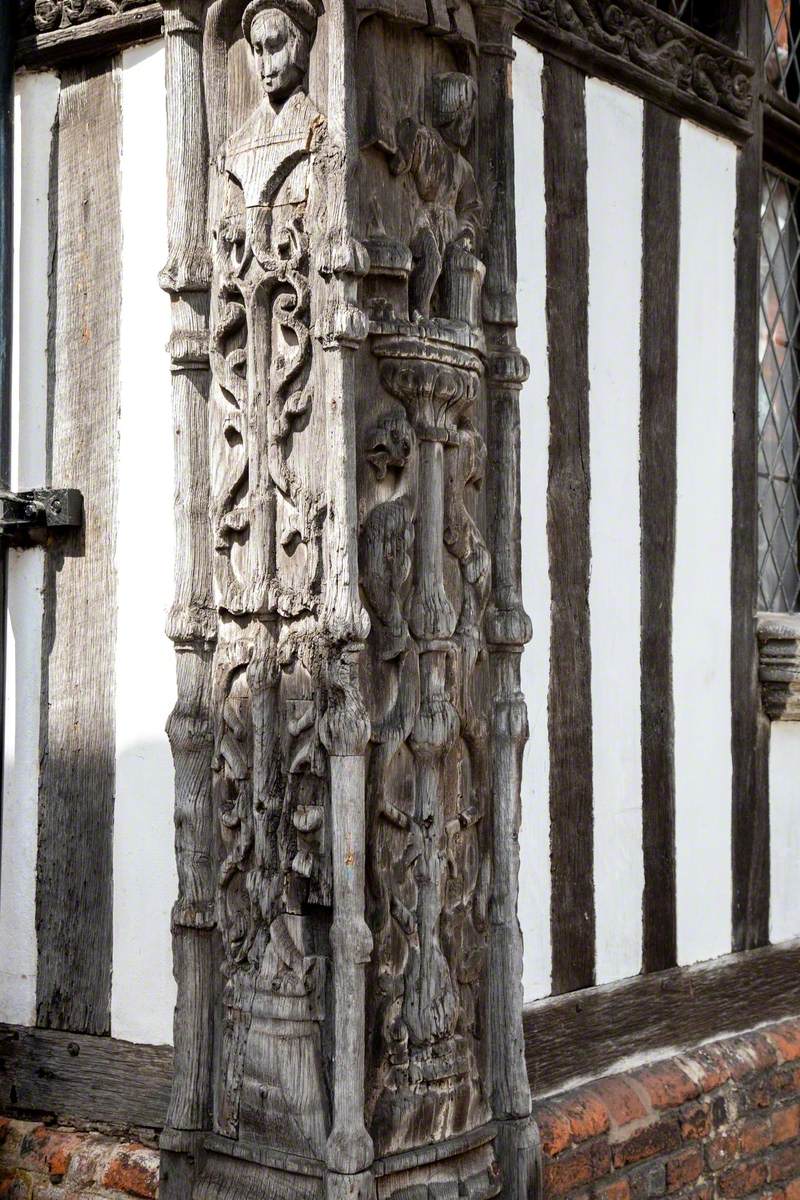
267, 510
365, 717
449, 219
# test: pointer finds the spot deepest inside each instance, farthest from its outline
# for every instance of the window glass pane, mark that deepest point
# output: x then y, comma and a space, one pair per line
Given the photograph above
716, 18
682, 9
779, 377
782, 43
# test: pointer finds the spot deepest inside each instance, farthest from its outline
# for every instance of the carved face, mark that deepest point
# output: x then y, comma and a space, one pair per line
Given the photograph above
280, 50
458, 131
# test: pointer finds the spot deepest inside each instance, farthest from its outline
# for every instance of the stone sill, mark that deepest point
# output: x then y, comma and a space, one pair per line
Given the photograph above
779, 664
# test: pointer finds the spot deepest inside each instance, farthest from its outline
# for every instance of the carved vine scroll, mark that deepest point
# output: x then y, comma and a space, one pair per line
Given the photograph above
348, 748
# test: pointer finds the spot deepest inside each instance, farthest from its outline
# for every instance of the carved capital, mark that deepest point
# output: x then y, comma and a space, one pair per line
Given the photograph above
342, 324
508, 368
344, 727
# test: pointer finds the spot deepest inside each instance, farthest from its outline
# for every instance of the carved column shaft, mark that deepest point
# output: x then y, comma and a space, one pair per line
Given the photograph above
191, 623
508, 626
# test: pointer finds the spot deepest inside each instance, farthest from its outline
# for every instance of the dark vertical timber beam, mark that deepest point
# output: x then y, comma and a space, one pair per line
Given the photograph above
7, 40
76, 784
657, 488
570, 707
750, 728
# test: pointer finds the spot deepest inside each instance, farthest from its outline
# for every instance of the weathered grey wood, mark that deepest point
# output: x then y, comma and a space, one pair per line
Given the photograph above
345, 729
658, 497
76, 786
570, 695
351, 697
633, 43
508, 627
589, 1033
192, 621
83, 1079
91, 39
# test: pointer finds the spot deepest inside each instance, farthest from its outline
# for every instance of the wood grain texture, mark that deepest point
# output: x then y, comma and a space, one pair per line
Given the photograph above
76, 789
651, 54
507, 625
590, 1033
192, 622
82, 1079
749, 725
657, 484
570, 707
91, 39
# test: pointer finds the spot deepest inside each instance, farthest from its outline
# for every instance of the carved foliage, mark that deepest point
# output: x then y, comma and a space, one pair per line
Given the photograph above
427, 782
648, 38
272, 671
54, 14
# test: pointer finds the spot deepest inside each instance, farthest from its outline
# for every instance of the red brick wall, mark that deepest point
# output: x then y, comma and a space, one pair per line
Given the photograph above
717, 1123
722, 1121
49, 1162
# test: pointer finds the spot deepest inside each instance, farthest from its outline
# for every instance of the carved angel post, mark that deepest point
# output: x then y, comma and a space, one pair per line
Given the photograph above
360, 786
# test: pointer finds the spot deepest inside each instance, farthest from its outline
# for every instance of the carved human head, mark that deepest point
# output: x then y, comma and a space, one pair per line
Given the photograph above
281, 34
454, 97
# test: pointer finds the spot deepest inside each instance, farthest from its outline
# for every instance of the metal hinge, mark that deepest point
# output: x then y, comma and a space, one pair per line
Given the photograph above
31, 518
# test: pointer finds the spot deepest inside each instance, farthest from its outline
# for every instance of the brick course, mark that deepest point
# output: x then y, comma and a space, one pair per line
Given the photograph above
50, 1162
717, 1123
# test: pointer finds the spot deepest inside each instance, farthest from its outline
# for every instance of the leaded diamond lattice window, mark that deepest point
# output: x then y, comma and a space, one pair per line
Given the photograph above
682, 9
779, 398
782, 46
715, 18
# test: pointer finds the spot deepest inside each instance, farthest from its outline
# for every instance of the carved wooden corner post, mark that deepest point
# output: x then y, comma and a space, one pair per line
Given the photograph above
192, 621
357, 1006
508, 627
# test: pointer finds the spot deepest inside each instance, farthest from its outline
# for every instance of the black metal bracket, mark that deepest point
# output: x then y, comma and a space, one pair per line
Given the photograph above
32, 518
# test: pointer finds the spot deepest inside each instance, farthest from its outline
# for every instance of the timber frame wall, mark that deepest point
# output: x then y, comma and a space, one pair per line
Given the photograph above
680, 73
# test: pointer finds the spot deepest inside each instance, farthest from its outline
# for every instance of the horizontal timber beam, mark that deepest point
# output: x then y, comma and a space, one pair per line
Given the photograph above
83, 1079
102, 35
593, 1032
651, 54
88, 1080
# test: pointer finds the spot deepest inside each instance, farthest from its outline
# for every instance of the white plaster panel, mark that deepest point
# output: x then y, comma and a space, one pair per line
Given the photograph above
534, 898
35, 104
784, 838
701, 602
145, 881
614, 199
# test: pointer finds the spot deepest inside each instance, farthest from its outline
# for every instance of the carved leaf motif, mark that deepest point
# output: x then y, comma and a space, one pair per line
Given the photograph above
649, 39
52, 14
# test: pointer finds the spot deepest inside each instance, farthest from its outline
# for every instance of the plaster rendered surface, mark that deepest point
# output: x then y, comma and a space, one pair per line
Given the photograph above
35, 103
614, 195
701, 605
534, 897
145, 878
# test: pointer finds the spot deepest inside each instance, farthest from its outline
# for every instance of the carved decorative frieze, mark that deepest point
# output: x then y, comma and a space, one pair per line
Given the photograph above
669, 50
44, 16
364, 718
779, 665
